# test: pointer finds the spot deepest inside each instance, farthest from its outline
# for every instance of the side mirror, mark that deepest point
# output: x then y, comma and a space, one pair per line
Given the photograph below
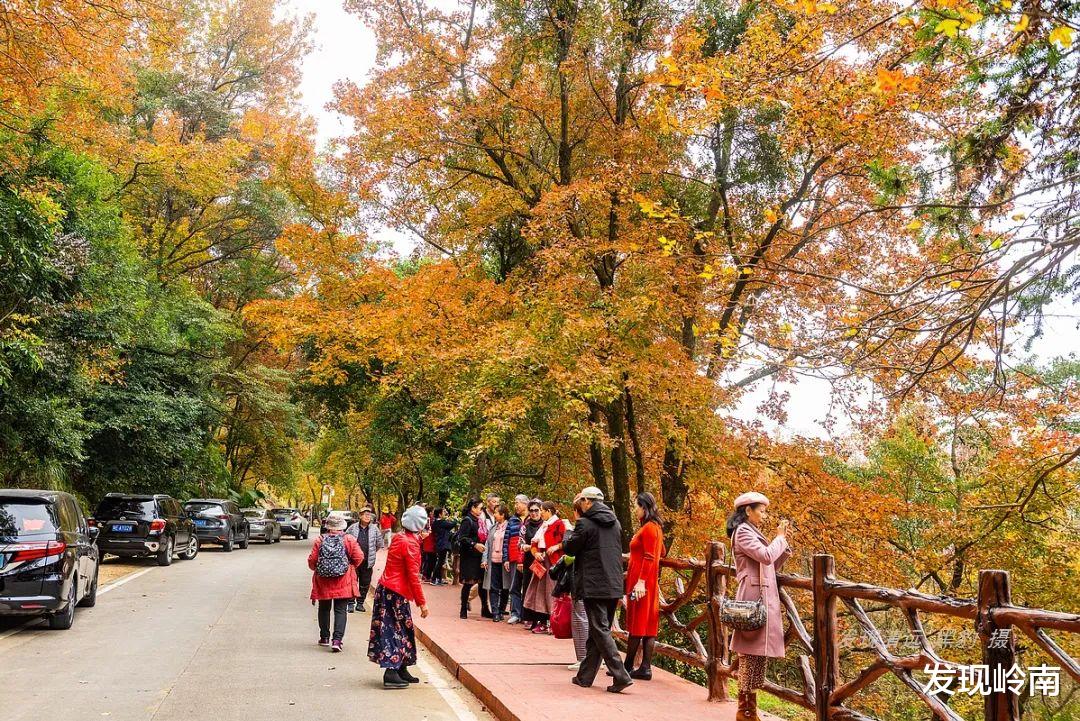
94, 532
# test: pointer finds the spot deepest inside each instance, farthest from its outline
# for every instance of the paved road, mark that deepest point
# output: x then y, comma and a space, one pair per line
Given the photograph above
224, 637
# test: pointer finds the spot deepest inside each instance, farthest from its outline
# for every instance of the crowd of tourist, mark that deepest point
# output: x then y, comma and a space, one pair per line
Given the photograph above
530, 566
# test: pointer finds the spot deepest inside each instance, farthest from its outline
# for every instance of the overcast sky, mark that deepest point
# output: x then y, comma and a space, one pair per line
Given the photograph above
345, 49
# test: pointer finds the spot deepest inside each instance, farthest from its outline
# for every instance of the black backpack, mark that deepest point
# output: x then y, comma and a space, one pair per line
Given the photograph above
333, 562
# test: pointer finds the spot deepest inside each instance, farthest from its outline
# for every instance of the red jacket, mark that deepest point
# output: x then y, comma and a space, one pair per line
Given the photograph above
402, 572
324, 589
553, 536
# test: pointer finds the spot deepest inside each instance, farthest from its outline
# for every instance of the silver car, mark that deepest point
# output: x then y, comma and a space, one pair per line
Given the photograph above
293, 522
263, 525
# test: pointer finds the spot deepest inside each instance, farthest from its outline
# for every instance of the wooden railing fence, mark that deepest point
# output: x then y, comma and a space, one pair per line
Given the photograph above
823, 690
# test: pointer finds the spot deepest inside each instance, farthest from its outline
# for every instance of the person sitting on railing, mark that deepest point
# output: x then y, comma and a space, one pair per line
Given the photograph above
756, 563
643, 586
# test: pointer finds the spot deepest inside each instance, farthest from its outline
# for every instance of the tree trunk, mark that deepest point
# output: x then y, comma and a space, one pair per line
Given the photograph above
620, 477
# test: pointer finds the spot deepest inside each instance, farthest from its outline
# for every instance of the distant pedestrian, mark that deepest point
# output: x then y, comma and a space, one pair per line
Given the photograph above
386, 523
512, 556
643, 587
596, 545
371, 541
546, 551
333, 560
497, 574
579, 620
392, 642
529, 527
427, 549
756, 563
443, 529
471, 549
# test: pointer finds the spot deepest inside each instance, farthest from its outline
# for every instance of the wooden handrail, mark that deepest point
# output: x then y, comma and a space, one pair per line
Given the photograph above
824, 690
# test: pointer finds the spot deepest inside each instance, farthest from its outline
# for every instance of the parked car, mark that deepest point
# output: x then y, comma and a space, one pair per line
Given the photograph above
263, 525
351, 517
139, 525
219, 521
48, 557
292, 521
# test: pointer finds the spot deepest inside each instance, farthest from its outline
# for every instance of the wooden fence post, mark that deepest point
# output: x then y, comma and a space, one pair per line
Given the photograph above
826, 651
999, 649
715, 648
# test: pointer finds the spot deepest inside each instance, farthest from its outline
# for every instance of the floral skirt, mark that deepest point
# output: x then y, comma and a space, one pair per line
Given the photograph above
392, 643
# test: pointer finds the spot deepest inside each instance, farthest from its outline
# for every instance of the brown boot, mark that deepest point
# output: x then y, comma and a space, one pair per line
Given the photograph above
747, 707
752, 695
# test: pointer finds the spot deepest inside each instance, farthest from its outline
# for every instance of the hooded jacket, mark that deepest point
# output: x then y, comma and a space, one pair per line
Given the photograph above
596, 545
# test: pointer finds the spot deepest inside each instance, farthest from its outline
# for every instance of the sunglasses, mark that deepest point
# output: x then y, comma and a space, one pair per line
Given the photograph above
534, 510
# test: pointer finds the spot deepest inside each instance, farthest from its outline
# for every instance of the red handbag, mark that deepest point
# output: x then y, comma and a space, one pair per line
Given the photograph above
538, 568
561, 612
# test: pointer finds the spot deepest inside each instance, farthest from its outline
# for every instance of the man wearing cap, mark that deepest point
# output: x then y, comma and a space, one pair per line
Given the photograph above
370, 541
596, 545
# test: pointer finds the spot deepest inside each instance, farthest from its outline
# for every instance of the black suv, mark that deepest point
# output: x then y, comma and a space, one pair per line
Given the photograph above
219, 521
48, 558
145, 525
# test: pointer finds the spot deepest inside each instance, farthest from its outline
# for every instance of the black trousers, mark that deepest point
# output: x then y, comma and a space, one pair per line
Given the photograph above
363, 577
341, 615
427, 564
600, 645
440, 565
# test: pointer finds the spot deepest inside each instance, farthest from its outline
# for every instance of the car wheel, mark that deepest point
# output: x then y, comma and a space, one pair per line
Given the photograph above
164, 556
227, 546
63, 621
243, 543
90, 599
192, 549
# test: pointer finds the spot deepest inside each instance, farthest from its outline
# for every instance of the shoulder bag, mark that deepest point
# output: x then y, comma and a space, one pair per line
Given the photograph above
744, 615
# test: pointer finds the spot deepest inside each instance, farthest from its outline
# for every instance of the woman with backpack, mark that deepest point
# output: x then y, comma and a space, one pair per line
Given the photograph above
392, 643
333, 560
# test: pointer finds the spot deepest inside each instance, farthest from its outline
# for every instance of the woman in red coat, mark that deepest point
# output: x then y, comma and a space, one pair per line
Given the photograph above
392, 642
335, 590
643, 587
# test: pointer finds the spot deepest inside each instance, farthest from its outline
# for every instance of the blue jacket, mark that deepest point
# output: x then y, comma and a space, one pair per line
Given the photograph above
513, 529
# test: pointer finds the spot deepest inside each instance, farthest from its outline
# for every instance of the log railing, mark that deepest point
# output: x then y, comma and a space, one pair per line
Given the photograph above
814, 635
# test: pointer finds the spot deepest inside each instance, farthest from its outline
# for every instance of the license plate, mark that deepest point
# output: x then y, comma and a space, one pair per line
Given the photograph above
123, 527
201, 524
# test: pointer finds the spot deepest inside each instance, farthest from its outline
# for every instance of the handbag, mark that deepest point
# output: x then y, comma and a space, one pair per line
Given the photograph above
538, 568
561, 612
744, 615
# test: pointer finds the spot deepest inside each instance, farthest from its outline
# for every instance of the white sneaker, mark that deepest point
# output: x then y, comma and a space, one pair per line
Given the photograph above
513, 619
574, 666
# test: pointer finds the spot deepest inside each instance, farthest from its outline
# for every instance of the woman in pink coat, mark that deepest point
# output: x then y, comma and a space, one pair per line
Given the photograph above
334, 591
756, 563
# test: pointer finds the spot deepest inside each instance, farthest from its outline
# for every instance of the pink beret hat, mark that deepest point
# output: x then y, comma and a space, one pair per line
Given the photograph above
749, 498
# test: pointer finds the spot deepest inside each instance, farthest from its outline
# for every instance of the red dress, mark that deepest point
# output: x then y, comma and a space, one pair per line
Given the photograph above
646, 550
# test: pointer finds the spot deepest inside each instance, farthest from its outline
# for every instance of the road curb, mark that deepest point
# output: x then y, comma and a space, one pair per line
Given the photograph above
493, 705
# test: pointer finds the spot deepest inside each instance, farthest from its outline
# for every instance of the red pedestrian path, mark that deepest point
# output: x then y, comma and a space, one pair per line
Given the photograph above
520, 676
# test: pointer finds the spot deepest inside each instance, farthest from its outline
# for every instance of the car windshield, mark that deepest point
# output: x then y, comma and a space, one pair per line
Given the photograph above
114, 507
280, 513
253, 514
24, 518
205, 509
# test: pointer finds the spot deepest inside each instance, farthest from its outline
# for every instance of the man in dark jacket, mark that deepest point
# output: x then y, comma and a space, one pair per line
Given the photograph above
596, 545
